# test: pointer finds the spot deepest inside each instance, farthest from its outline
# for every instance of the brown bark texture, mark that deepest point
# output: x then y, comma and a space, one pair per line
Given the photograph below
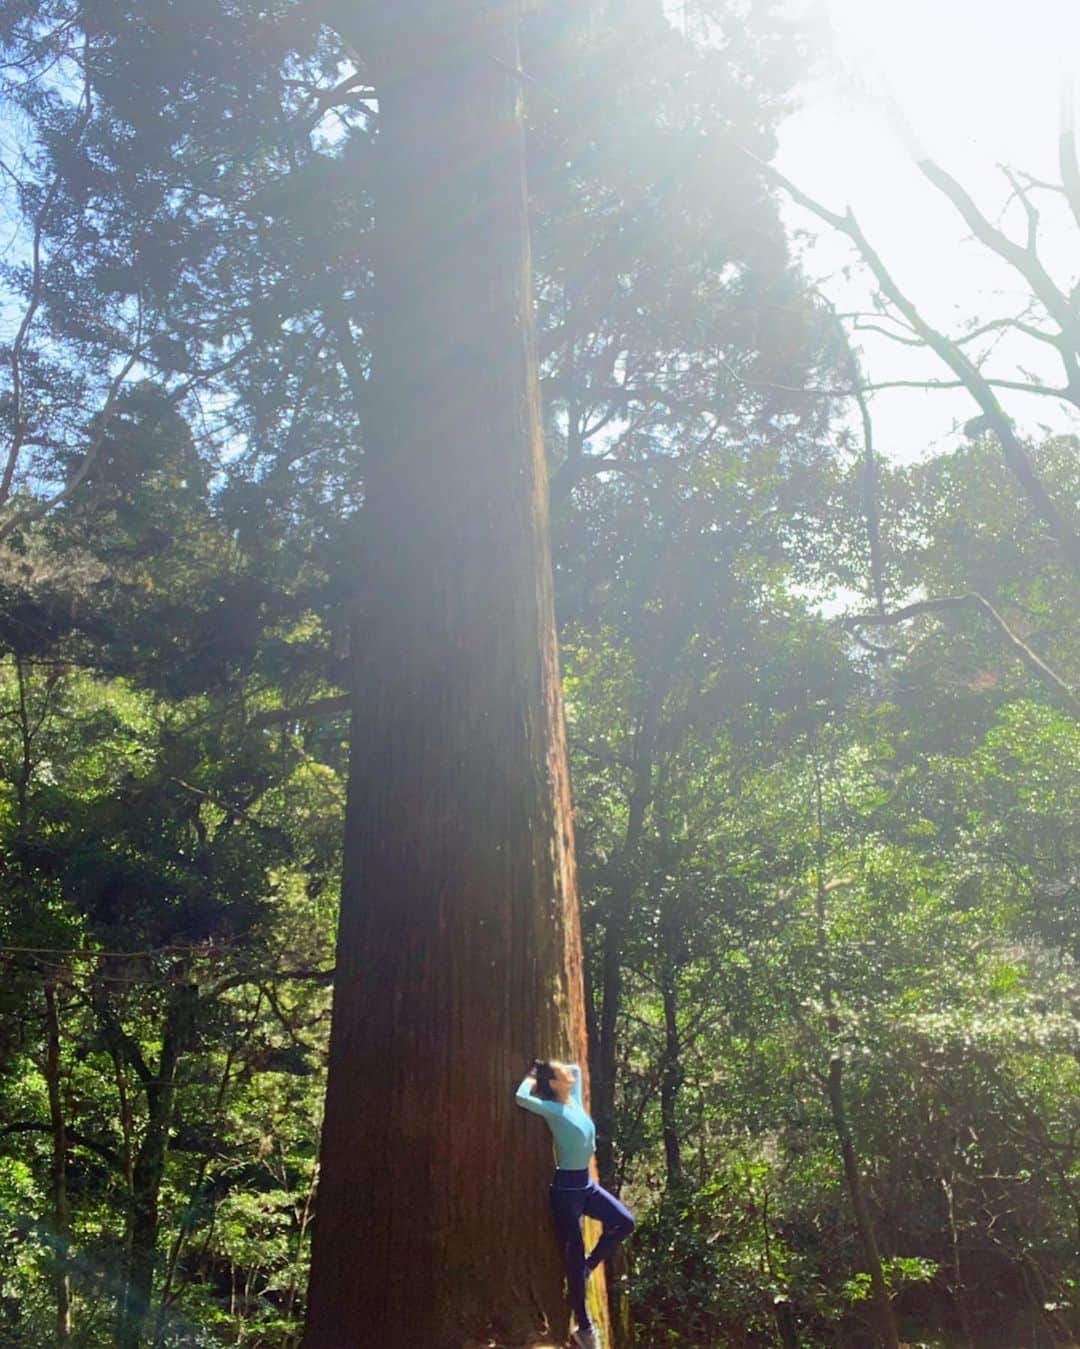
459, 949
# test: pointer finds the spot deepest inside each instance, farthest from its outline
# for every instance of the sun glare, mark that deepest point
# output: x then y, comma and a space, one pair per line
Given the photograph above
973, 84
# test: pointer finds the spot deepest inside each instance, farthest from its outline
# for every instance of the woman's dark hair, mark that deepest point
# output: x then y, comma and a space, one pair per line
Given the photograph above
545, 1071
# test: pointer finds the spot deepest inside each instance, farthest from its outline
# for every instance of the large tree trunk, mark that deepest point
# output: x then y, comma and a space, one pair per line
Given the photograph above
459, 953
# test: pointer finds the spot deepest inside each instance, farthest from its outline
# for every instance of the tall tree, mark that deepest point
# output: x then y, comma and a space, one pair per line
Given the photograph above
459, 948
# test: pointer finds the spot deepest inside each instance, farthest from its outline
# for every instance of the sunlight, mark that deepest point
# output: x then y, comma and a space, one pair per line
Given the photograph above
973, 85
971, 78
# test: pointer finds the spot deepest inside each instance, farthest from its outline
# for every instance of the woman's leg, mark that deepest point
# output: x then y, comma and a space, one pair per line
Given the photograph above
566, 1205
617, 1219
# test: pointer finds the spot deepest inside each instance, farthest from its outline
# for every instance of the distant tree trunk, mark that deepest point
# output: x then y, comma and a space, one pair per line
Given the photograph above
459, 952
61, 1222
671, 1081
664, 648
616, 931
148, 1167
959, 1300
834, 1089
616, 928
864, 1223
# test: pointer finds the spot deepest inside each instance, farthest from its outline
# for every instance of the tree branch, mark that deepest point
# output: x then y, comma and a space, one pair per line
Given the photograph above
19, 420
971, 377
1017, 386
950, 603
319, 707
1010, 325
43, 507
1024, 259
126, 1046
870, 477
32, 1127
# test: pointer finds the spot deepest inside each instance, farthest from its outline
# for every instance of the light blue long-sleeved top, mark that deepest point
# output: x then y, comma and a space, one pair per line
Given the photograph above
571, 1127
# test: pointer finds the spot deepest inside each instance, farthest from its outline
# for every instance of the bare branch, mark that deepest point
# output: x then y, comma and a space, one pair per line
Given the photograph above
980, 388
950, 603
1011, 325
1030, 211
861, 327
1016, 385
1024, 260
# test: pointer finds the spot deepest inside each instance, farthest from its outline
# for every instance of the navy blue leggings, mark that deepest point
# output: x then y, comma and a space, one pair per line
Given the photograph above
574, 1195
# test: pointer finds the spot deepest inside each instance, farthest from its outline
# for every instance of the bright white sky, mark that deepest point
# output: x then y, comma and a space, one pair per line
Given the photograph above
974, 84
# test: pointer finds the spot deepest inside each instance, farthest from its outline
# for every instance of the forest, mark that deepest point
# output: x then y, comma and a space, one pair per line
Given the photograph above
455, 608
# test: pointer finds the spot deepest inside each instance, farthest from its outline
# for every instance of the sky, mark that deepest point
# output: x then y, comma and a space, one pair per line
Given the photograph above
973, 84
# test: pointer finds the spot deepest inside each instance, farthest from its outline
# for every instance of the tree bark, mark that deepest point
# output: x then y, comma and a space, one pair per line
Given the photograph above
459, 950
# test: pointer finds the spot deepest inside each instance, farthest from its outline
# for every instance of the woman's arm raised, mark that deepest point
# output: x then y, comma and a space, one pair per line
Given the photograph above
575, 1090
525, 1098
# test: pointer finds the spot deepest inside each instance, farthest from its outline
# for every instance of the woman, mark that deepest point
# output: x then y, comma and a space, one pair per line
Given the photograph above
553, 1089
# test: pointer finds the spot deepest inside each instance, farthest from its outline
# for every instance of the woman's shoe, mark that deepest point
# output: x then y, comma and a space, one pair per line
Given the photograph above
587, 1339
